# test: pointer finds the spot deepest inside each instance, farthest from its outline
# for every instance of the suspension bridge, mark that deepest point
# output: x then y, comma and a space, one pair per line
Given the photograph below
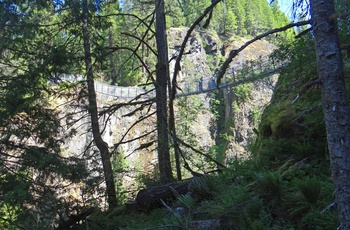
250, 71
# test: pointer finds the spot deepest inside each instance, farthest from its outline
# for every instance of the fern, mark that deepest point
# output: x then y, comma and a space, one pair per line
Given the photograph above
311, 189
270, 183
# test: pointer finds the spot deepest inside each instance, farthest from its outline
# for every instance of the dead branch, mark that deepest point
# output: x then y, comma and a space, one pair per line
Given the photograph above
142, 41
207, 22
135, 110
303, 32
136, 55
178, 152
115, 107
307, 111
134, 139
183, 46
201, 153
194, 173
174, 86
142, 146
132, 15
132, 126
234, 53
170, 209
306, 86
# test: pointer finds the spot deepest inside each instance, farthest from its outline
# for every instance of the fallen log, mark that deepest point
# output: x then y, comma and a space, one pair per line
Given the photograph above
150, 197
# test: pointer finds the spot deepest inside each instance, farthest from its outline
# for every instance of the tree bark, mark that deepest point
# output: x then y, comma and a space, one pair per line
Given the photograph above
335, 102
101, 145
162, 75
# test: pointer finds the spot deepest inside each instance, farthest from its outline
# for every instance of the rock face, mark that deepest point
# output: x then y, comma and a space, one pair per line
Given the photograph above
205, 51
246, 112
119, 127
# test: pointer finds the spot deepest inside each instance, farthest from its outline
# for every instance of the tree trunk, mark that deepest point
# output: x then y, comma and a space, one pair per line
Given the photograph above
162, 74
335, 102
101, 145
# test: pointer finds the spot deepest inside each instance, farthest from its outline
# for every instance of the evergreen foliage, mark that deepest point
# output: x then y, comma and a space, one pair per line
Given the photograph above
232, 17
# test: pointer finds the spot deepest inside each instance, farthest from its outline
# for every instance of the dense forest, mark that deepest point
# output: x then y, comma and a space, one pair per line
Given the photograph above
295, 178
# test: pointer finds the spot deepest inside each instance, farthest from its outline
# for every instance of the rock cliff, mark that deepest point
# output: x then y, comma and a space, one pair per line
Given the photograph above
243, 109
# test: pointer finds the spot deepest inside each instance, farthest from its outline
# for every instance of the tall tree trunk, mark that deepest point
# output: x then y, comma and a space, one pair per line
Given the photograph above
335, 102
101, 145
162, 75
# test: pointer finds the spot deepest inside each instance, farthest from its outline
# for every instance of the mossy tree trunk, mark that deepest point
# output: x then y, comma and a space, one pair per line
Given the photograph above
335, 101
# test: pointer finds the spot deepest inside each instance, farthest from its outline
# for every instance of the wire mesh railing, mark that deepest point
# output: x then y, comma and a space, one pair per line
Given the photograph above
119, 91
250, 71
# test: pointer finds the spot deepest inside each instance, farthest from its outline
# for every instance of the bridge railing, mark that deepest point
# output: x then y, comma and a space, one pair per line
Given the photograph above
249, 70
119, 91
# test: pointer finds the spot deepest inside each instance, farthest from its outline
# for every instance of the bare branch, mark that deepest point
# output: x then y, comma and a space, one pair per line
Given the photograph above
173, 86
201, 153
303, 32
143, 21
133, 125
142, 41
182, 50
115, 107
306, 86
136, 138
142, 146
234, 53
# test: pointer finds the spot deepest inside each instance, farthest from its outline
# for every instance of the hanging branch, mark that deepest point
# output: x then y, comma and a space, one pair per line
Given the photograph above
207, 22
182, 49
133, 125
173, 86
303, 32
115, 107
134, 52
186, 165
201, 153
143, 21
141, 41
234, 53
137, 138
